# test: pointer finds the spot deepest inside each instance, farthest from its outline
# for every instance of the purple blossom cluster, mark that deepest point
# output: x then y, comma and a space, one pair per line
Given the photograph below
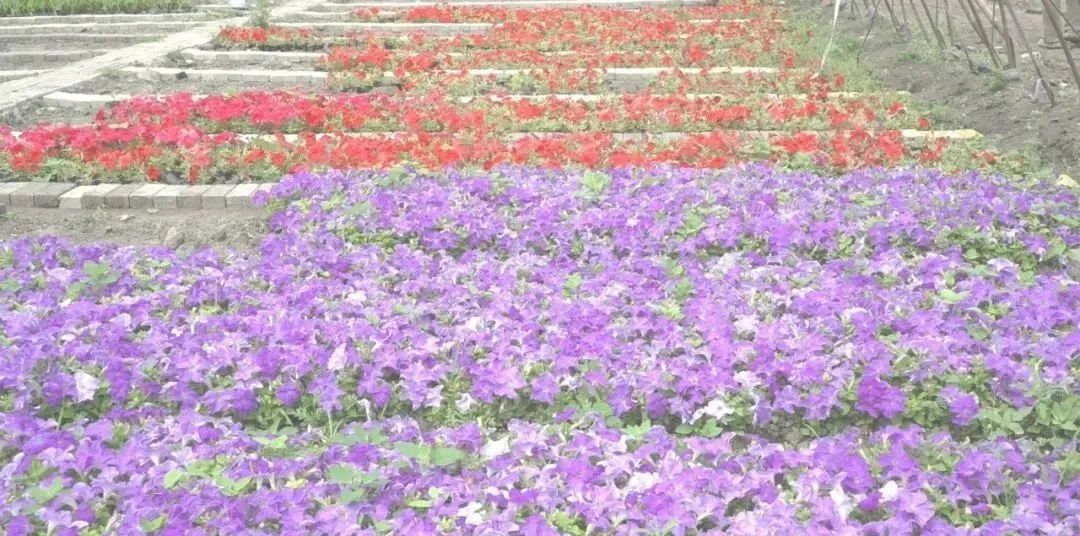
530, 351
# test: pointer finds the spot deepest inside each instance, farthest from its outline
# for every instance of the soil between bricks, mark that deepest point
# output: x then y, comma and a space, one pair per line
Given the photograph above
134, 84
70, 42
233, 229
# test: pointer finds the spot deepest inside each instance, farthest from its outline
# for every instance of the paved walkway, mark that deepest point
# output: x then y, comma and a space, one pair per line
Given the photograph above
15, 92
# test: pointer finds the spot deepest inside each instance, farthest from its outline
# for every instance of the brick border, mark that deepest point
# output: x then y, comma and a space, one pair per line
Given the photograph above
134, 196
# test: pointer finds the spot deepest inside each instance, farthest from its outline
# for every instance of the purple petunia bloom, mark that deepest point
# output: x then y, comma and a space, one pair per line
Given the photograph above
879, 399
962, 406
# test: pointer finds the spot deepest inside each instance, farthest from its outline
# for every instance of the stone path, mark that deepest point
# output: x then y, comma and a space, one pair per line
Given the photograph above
35, 85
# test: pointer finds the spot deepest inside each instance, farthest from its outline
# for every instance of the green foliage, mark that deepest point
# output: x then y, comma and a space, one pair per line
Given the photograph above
594, 184
14, 8
260, 15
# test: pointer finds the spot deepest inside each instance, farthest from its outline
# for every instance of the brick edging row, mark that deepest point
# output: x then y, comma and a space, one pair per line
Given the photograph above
130, 196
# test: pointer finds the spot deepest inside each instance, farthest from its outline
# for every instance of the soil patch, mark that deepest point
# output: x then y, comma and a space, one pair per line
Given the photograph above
186, 231
968, 92
68, 41
129, 83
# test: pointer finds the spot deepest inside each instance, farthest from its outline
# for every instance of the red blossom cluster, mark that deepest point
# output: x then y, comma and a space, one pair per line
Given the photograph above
246, 136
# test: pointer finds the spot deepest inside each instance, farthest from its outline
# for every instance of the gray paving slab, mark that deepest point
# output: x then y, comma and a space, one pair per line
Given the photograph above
144, 196
72, 199
95, 197
118, 197
191, 197
6, 188
240, 197
165, 199
215, 196
48, 195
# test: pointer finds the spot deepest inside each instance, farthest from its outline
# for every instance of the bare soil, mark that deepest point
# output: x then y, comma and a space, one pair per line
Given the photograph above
67, 41
240, 230
119, 82
969, 92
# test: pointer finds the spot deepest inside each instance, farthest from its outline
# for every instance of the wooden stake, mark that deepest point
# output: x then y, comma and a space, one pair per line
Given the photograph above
933, 25
1031, 53
1065, 45
918, 21
980, 30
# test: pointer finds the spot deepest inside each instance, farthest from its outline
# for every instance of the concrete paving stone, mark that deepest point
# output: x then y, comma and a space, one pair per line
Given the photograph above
165, 199
23, 196
215, 196
144, 197
94, 198
6, 188
240, 197
191, 197
47, 194
119, 197
72, 199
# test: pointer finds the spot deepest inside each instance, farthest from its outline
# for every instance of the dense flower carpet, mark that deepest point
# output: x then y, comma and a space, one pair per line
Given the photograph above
718, 304
533, 351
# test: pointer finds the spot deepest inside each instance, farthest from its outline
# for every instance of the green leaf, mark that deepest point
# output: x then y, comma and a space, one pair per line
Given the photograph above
342, 473
353, 495
684, 429
236, 487
443, 456
100, 273
421, 453
594, 184
571, 285
1057, 248
42, 495
172, 478
419, 503
153, 525
710, 429
950, 296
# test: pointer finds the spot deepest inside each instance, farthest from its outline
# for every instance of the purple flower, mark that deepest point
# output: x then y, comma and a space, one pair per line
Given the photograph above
879, 399
963, 406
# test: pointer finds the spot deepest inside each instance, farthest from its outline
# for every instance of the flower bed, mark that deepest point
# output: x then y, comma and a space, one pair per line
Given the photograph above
179, 154
549, 18
282, 111
627, 37
590, 352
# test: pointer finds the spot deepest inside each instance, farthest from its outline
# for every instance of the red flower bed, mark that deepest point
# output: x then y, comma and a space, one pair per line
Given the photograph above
274, 111
449, 13
184, 154
549, 30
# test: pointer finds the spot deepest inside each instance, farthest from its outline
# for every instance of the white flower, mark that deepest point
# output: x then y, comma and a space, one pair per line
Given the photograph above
716, 408
495, 448
337, 359
464, 402
642, 481
889, 491
471, 513
746, 379
85, 386
474, 323
841, 501
746, 324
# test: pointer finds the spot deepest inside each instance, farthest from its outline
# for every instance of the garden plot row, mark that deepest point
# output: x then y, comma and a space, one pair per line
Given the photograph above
476, 98
543, 352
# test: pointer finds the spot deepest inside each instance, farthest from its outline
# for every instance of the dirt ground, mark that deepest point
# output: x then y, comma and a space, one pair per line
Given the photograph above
999, 103
184, 231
